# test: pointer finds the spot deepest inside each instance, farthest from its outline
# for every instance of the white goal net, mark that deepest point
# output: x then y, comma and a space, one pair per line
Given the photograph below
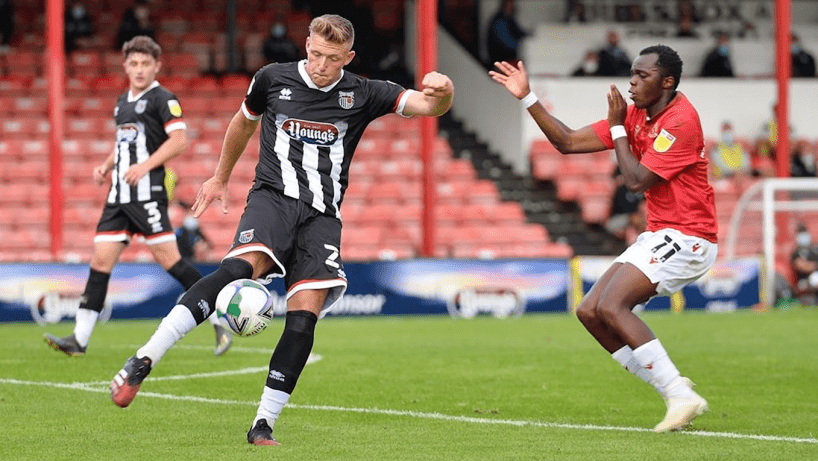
763, 222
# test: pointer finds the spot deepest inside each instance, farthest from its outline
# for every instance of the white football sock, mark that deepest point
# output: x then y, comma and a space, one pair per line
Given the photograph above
665, 377
272, 402
625, 358
174, 326
214, 319
85, 321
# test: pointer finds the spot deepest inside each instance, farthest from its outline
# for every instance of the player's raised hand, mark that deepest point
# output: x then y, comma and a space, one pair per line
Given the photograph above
514, 78
212, 189
437, 85
617, 107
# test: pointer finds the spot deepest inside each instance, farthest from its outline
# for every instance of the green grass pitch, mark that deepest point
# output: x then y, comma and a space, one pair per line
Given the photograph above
421, 388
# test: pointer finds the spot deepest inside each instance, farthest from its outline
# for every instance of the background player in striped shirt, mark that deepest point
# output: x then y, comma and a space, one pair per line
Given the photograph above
660, 150
312, 115
150, 132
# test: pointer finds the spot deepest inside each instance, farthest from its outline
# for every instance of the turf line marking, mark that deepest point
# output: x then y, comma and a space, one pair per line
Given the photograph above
242, 371
416, 414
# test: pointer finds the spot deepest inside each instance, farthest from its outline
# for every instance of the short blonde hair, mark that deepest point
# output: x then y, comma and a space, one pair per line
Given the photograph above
334, 29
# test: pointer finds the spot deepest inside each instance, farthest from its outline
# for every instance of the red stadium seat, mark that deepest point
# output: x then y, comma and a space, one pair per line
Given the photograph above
31, 106
14, 86
195, 106
110, 86
234, 85
23, 62
24, 127
84, 62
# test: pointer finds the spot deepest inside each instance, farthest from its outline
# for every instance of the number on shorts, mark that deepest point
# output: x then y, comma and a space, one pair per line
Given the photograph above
154, 216
333, 256
670, 252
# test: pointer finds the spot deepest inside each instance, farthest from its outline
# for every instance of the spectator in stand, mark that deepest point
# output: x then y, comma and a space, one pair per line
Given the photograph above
192, 241
575, 12
135, 21
686, 10
627, 218
803, 63
686, 29
613, 60
804, 264
728, 156
504, 35
717, 62
589, 66
802, 160
6, 22
767, 145
278, 47
79, 28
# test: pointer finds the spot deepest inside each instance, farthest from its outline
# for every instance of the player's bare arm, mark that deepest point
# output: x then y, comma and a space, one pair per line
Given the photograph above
172, 147
638, 178
434, 99
565, 139
238, 134
101, 171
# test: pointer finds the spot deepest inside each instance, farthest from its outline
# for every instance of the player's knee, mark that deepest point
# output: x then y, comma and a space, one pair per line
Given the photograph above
587, 313
237, 268
301, 322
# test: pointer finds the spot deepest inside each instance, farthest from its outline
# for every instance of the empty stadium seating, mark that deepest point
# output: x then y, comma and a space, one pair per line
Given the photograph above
382, 208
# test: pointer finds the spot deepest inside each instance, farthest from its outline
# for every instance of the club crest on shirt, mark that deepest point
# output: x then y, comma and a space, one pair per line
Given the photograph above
175, 108
346, 99
246, 236
127, 132
663, 141
140, 106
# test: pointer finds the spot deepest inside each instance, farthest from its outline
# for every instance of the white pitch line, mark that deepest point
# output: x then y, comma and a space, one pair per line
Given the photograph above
422, 415
242, 371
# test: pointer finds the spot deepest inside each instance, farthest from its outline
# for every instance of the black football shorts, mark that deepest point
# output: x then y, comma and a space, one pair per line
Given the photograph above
303, 242
120, 221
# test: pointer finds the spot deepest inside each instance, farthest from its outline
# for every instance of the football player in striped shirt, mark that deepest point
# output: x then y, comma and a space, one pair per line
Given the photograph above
659, 148
150, 132
312, 114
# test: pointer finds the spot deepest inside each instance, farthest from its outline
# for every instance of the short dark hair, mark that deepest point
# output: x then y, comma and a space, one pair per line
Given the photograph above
142, 44
669, 61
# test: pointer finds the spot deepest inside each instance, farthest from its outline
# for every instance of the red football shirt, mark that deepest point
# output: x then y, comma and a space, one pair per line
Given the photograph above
671, 144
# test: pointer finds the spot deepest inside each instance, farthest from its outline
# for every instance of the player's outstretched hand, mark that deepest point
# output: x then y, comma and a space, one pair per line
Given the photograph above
212, 189
617, 107
437, 85
515, 79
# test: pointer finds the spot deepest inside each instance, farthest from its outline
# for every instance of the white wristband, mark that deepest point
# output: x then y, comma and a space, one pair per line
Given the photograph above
618, 131
529, 100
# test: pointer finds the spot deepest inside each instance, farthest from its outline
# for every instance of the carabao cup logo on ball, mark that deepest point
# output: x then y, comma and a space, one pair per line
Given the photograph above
246, 306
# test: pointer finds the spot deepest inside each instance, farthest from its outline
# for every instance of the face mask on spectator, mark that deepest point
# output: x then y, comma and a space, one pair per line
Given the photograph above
590, 66
78, 11
190, 223
728, 138
278, 30
724, 50
803, 239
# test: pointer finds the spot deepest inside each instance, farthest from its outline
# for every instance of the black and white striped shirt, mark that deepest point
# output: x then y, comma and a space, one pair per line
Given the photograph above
309, 134
143, 122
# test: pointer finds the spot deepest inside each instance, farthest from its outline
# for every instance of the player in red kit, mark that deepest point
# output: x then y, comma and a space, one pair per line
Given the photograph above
660, 149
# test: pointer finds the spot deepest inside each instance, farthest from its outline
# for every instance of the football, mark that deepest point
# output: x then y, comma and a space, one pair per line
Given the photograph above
246, 306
